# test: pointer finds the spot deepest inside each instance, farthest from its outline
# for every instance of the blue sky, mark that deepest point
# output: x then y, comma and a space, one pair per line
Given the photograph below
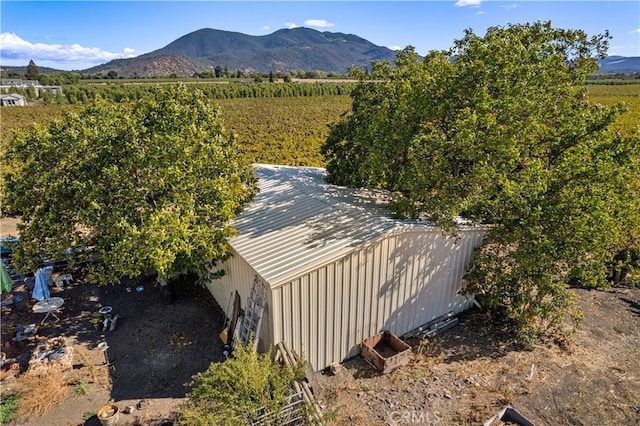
73, 35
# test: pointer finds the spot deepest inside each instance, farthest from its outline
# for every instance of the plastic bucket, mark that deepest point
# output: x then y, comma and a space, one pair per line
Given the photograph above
108, 415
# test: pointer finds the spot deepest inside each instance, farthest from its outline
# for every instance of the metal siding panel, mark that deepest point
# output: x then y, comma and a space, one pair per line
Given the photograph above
441, 274
287, 311
399, 302
277, 314
458, 268
266, 329
376, 268
404, 290
386, 277
414, 292
398, 259
321, 336
339, 303
305, 314
367, 285
333, 348
311, 317
296, 313
404, 310
345, 301
450, 289
330, 318
442, 271
352, 285
330, 350
355, 325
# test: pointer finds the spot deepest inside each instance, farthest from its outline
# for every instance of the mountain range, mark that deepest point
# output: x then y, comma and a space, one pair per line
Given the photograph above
619, 65
285, 50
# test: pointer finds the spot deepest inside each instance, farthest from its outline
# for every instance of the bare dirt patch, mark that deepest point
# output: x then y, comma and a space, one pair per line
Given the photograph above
470, 372
159, 342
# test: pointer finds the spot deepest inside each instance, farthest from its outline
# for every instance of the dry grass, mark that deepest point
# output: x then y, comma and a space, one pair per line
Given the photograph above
40, 392
48, 385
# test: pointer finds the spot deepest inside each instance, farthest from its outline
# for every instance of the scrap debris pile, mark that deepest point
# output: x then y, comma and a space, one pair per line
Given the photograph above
52, 353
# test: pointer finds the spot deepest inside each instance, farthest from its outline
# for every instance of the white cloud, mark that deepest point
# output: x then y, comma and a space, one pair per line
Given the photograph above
472, 3
318, 23
17, 51
637, 30
290, 25
395, 47
265, 27
480, 12
509, 6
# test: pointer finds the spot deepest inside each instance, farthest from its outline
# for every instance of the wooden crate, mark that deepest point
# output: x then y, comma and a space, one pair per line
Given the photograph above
385, 351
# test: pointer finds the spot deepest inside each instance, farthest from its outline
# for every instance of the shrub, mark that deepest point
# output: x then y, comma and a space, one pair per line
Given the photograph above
232, 392
8, 407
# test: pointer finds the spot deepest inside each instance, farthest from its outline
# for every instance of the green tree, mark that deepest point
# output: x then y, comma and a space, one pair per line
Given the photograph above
31, 93
502, 135
235, 391
46, 96
45, 79
151, 185
32, 71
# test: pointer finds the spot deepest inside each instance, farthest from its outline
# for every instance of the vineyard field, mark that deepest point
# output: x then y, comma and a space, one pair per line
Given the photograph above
286, 131
609, 95
290, 130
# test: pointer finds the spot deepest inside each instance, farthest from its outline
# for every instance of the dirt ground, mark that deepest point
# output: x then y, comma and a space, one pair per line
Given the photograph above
461, 377
158, 343
469, 373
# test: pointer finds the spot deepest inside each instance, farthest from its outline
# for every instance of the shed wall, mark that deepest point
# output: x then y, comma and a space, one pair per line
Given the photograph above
398, 283
239, 276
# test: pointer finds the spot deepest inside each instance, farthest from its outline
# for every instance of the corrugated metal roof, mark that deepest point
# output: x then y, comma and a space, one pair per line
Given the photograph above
12, 96
299, 221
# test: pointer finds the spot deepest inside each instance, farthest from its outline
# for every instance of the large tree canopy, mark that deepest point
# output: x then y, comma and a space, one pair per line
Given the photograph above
498, 130
152, 185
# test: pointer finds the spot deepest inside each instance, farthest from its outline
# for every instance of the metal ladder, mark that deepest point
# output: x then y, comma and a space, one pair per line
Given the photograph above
250, 327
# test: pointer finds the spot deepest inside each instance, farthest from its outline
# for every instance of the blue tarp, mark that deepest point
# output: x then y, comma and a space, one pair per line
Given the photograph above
40, 288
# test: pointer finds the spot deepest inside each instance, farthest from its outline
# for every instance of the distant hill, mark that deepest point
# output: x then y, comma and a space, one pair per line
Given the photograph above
619, 65
284, 50
23, 70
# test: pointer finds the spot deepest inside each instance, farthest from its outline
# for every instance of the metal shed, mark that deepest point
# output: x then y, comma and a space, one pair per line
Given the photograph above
337, 267
13, 99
